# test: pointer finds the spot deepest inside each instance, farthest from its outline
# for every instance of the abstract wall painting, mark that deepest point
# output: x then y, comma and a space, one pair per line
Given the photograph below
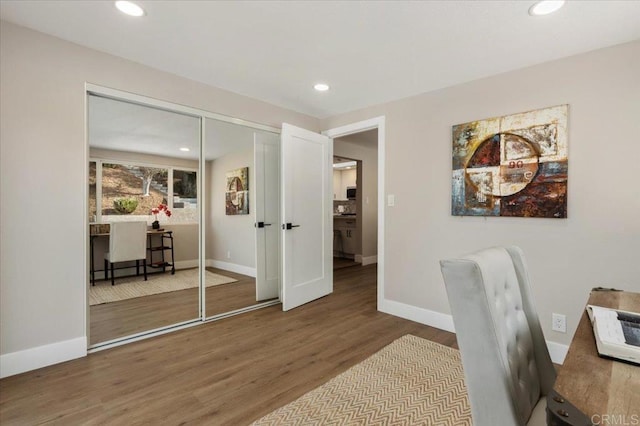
237, 192
514, 165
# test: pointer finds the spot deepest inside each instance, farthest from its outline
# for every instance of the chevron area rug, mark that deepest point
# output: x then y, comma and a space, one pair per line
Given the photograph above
136, 286
412, 381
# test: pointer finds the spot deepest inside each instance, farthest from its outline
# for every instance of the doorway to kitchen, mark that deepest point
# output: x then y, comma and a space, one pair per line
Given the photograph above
375, 194
347, 225
355, 183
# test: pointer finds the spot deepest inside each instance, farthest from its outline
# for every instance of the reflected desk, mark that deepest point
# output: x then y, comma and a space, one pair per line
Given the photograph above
606, 391
159, 249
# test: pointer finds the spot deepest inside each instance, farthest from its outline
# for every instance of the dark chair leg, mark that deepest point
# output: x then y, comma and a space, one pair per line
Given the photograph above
106, 270
137, 267
144, 266
113, 282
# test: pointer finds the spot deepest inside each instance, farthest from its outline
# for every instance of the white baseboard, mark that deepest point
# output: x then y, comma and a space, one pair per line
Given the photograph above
557, 351
421, 315
369, 260
186, 264
238, 269
357, 258
42, 356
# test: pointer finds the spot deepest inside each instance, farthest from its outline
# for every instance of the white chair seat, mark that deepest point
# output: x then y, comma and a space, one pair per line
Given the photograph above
539, 413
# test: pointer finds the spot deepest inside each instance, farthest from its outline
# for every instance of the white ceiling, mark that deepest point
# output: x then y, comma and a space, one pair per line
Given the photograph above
128, 127
368, 51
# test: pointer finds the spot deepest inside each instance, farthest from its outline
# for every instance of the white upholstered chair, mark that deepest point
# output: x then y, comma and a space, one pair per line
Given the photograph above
507, 367
127, 242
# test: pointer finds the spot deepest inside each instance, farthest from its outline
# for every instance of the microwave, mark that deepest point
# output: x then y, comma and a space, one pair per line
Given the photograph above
351, 193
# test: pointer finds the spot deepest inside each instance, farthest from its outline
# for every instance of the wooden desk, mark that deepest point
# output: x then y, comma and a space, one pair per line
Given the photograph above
606, 391
151, 249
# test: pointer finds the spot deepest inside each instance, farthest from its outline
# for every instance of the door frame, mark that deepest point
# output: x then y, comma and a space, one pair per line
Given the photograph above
362, 126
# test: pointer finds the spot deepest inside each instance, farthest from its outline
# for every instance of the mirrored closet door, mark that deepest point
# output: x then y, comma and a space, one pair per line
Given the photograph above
143, 167
241, 214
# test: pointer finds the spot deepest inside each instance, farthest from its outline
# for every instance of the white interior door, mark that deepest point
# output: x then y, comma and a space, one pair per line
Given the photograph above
307, 215
267, 215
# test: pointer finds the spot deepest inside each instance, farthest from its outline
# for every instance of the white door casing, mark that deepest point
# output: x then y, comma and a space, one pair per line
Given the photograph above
375, 123
307, 216
267, 215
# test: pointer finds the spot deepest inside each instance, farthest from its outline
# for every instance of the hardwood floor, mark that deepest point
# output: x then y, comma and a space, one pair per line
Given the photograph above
117, 319
342, 262
227, 372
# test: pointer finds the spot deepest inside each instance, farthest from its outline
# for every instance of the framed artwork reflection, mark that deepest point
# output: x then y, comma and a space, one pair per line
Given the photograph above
237, 192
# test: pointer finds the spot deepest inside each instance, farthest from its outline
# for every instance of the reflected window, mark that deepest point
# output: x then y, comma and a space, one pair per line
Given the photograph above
185, 195
130, 191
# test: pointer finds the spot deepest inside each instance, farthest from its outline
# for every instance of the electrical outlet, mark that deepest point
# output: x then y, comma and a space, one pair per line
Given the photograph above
559, 323
228, 255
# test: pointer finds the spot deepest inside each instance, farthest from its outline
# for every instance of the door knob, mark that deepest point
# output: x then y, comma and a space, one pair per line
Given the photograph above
262, 224
289, 226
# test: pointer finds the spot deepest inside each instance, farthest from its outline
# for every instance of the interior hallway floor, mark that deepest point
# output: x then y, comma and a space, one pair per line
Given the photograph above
342, 262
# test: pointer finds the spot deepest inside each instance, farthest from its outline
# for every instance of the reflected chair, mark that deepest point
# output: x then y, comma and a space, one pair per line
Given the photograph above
507, 367
127, 242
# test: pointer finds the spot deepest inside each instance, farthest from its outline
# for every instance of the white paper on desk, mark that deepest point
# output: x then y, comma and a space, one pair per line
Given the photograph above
606, 322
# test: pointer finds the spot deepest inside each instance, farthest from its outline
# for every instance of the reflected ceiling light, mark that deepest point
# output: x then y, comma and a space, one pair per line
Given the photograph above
185, 149
129, 8
545, 7
321, 87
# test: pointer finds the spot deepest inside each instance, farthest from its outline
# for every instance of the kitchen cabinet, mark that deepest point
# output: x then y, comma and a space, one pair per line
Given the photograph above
341, 180
347, 227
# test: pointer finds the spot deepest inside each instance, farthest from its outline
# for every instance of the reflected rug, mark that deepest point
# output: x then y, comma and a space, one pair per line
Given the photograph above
136, 286
412, 381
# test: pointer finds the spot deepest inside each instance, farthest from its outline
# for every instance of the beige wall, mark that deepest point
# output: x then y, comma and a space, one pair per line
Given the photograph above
367, 188
43, 163
599, 244
234, 234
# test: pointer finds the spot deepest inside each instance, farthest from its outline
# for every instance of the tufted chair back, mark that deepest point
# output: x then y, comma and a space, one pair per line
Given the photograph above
127, 241
508, 370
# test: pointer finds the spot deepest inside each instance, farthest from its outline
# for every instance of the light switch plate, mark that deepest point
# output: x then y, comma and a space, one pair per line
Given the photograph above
391, 200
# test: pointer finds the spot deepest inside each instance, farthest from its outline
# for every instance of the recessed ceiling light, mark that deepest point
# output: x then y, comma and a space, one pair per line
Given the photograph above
185, 149
129, 8
321, 87
545, 7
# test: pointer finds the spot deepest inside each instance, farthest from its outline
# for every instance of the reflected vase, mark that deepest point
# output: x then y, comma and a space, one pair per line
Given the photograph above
155, 224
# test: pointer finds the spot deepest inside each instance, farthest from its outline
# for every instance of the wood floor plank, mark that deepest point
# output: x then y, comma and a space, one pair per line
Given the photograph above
114, 320
227, 372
